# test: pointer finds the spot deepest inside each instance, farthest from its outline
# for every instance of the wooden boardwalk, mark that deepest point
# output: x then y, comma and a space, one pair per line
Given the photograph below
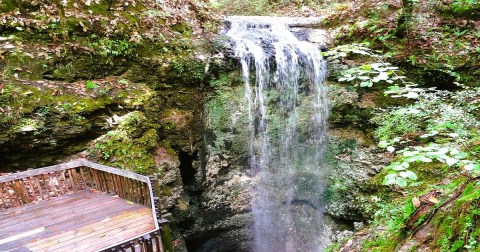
84, 221
81, 206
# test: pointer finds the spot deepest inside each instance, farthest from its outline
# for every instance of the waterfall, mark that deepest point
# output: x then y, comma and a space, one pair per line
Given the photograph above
287, 111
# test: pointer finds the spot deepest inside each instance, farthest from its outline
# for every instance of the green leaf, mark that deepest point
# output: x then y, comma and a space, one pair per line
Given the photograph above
366, 67
383, 144
389, 181
396, 167
474, 167
410, 153
383, 76
469, 195
401, 181
408, 174
393, 88
425, 159
411, 95
91, 85
451, 161
390, 176
366, 84
461, 155
443, 150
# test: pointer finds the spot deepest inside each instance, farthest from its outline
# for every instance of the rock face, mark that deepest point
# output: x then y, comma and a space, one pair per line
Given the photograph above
221, 218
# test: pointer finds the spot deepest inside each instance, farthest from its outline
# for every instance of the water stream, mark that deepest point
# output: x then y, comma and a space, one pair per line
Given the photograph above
287, 111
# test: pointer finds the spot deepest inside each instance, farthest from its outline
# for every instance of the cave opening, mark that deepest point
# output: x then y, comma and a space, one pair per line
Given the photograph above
187, 171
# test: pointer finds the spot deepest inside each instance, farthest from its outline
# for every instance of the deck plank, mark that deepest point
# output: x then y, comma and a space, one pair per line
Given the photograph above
91, 234
95, 235
65, 214
84, 221
43, 207
71, 223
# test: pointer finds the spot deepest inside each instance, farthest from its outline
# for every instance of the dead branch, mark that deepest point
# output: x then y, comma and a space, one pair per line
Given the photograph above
457, 194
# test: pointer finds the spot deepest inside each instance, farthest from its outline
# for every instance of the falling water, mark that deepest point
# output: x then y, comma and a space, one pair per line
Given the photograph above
287, 111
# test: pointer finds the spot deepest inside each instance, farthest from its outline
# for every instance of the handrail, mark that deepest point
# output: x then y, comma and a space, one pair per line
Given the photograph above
40, 184
77, 163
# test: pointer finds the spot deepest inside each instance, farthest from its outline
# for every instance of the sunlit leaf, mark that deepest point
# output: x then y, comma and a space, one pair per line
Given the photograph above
401, 181
366, 84
411, 95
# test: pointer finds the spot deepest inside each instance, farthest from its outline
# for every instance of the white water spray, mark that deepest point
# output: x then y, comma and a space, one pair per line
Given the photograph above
287, 111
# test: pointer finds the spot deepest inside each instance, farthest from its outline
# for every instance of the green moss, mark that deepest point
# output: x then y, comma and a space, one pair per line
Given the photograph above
380, 244
9, 5
100, 9
351, 115
458, 224
24, 66
227, 118
468, 9
382, 100
131, 146
27, 124
30, 101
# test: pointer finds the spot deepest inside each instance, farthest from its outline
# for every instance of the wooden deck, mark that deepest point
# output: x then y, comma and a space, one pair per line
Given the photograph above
81, 206
88, 220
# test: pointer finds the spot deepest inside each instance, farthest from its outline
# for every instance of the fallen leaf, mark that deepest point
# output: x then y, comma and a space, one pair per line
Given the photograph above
416, 202
432, 199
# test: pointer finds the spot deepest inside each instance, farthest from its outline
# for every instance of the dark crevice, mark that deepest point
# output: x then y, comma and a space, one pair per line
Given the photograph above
187, 171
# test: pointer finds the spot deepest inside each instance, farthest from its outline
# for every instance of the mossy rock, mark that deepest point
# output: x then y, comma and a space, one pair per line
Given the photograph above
460, 8
131, 146
22, 5
351, 116
49, 124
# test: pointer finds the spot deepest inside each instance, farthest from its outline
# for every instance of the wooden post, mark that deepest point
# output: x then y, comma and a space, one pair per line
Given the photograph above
166, 235
156, 193
2, 197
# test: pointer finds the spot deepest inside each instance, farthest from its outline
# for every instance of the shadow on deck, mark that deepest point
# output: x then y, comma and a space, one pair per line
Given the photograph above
81, 206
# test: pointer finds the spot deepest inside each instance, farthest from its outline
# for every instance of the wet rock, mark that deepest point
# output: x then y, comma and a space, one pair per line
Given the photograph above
352, 166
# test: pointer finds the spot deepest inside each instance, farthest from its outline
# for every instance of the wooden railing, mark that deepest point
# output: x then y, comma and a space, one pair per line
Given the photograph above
37, 185
41, 184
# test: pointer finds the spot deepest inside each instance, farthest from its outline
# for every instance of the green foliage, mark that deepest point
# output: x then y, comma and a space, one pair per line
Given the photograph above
397, 123
465, 6
242, 7
409, 91
109, 47
129, 146
91, 85
368, 74
440, 119
400, 175
263, 7
347, 50
392, 216
12, 95
461, 232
